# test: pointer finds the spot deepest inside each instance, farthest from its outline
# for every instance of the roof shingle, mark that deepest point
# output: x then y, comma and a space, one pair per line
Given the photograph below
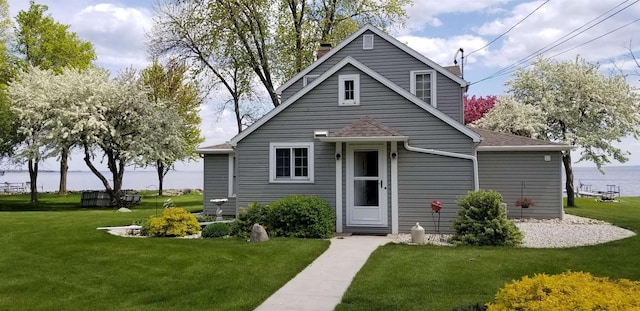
366, 127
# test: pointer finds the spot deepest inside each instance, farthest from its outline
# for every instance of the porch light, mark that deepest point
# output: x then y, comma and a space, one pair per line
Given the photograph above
394, 155
338, 156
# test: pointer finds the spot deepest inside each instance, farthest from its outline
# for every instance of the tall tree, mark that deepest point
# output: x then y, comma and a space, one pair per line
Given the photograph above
513, 117
237, 36
42, 42
7, 124
194, 33
581, 106
169, 84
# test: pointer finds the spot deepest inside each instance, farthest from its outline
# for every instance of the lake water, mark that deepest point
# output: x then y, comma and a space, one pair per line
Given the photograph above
626, 177
84, 180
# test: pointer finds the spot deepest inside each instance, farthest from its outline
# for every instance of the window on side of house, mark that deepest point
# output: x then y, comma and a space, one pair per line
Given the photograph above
232, 175
308, 79
423, 85
349, 90
291, 162
367, 42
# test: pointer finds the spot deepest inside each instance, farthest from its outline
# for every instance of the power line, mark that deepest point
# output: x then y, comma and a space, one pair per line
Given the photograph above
506, 32
596, 38
553, 44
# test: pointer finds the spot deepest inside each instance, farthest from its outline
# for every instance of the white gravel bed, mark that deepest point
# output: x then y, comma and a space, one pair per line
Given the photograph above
571, 231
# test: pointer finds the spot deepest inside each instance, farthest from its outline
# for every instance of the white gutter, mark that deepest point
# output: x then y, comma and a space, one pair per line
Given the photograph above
476, 180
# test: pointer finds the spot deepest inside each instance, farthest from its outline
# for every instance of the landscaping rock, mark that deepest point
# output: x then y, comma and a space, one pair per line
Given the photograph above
123, 210
258, 234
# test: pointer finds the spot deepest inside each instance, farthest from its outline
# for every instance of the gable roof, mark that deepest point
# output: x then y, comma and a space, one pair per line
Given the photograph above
383, 35
365, 129
351, 61
495, 141
216, 149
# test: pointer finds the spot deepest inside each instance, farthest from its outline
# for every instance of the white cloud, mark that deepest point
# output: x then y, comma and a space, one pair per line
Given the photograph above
442, 50
424, 13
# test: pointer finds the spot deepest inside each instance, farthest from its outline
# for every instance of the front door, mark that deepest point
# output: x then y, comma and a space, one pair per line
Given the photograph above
367, 185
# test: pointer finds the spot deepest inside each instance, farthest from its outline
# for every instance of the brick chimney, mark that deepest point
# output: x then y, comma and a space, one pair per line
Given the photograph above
323, 49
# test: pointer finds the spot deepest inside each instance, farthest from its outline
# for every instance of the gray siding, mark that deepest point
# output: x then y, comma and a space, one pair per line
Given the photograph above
216, 184
318, 110
505, 172
395, 65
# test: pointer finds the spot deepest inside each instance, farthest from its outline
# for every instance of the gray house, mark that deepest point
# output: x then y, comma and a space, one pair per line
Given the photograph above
376, 129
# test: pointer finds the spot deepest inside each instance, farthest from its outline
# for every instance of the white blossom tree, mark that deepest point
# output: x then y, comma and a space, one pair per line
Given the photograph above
511, 116
581, 106
31, 96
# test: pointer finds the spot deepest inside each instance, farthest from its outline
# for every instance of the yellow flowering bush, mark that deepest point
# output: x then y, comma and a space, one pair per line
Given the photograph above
173, 222
568, 291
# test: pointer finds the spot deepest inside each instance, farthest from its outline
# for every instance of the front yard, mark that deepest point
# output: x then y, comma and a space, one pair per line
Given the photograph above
400, 277
54, 258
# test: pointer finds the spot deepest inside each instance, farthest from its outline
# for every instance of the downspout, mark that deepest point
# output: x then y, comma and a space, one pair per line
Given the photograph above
474, 160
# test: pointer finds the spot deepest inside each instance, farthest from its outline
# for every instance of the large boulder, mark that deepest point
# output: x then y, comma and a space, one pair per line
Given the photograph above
258, 234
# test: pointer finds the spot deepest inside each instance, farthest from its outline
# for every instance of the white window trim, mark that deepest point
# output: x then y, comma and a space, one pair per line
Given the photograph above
414, 73
356, 90
304, 79
231, 187
365, 39
272, 163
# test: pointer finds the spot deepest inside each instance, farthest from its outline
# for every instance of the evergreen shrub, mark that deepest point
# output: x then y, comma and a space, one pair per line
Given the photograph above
216, 230
255, 213
302, 216
482, 221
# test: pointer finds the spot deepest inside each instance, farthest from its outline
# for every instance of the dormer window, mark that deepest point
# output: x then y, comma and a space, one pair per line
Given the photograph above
349, 90
423, 85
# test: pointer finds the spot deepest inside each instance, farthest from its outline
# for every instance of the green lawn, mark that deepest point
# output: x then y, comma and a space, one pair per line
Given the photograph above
403, 277
53, 258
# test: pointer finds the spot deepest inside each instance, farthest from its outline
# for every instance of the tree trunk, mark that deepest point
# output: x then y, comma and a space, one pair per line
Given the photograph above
161, 173
33, 179
568, 170
64, 168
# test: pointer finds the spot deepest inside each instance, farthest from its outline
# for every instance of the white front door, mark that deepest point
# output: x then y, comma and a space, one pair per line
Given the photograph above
367, 185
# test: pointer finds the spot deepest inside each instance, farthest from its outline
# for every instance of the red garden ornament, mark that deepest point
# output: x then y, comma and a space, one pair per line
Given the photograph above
436, 206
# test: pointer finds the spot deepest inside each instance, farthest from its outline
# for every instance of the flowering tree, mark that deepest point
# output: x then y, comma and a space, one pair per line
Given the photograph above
580, 106
31, 96
511, 116
476, 107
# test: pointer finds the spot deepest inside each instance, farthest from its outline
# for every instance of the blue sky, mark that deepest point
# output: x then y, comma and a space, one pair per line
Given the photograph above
435, 28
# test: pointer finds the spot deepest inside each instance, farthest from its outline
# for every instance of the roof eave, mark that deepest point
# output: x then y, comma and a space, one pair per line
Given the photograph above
214, 151
527, 148
363, 139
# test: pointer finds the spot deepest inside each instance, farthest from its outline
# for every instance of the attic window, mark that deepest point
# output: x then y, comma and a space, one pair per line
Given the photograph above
349, 90
308, 79
423, 85
367, 42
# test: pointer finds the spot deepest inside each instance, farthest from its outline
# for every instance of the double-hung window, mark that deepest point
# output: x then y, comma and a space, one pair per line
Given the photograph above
423, 85
348, 90
291, 162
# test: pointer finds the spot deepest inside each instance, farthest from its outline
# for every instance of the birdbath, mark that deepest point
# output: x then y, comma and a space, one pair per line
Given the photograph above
218, 203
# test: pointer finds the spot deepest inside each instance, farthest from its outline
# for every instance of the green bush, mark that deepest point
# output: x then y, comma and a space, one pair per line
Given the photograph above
568, 291
481, 221
301, 216
216, 230
254, 213
173, 222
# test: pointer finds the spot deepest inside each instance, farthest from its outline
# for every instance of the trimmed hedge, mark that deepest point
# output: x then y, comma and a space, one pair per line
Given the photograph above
298, 216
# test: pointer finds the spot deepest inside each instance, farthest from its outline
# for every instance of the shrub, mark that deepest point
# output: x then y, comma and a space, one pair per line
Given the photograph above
173, 222
481, 221
254, 213
568, 291
216, 230
301, 217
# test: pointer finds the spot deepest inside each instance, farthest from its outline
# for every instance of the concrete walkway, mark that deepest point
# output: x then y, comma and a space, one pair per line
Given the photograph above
320, 286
